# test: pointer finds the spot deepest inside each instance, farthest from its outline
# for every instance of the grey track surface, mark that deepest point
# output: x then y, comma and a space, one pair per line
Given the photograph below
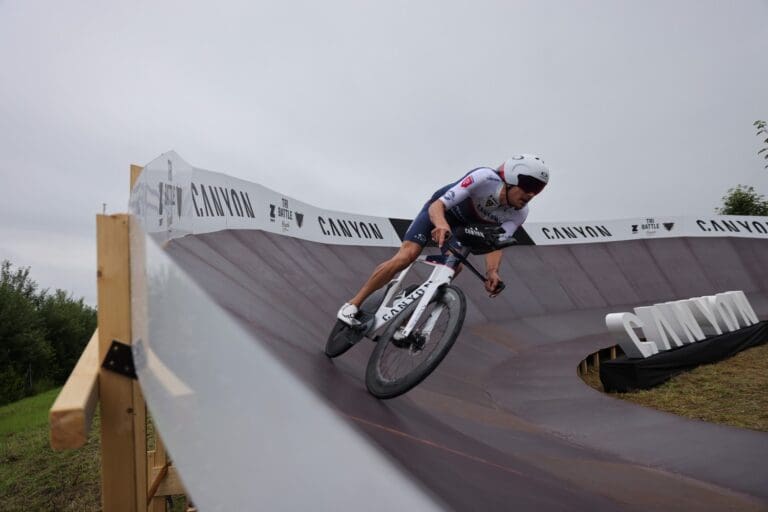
505, 423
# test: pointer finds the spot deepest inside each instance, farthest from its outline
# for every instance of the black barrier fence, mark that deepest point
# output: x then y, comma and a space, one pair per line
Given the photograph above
623, 374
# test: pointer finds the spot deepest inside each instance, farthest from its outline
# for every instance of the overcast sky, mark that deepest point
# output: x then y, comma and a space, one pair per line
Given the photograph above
640, 108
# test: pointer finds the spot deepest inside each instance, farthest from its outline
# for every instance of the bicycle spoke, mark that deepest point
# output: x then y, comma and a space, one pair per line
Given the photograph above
395, 358
399, 364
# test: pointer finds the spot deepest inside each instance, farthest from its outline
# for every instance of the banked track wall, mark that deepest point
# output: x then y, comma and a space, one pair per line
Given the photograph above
504, 423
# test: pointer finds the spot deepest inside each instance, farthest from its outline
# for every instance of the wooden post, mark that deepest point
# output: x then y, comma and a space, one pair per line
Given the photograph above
135, 171
158, 463
141, 452
157, 460
123, 417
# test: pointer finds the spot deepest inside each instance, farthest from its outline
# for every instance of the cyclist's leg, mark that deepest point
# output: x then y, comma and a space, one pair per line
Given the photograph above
413, 242
384, 273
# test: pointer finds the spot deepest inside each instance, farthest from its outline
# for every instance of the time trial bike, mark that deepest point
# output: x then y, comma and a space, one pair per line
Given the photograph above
415, 326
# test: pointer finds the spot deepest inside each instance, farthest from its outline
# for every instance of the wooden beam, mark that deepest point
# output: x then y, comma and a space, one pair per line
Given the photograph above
72, 413
158, 461
135, 172
171, 484
123, 417
156, 481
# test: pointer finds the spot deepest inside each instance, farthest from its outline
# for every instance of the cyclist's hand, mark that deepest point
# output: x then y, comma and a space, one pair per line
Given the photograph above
492, 282
440, 234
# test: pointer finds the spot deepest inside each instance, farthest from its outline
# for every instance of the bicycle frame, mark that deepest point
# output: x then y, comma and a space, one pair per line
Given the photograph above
442, 274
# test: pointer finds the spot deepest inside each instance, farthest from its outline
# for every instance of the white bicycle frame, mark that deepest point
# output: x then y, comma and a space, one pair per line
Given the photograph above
442, 274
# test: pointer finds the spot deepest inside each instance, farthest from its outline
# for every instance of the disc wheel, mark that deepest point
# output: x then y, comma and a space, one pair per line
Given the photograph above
341, 339
397, 365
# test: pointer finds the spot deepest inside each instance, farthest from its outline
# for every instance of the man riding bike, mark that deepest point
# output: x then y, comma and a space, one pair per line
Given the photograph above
483, 196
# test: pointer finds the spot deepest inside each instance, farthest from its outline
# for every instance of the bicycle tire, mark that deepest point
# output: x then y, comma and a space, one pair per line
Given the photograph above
382, 386
341, 339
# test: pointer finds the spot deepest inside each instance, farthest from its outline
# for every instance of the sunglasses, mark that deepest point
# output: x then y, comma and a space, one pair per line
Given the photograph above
530, 184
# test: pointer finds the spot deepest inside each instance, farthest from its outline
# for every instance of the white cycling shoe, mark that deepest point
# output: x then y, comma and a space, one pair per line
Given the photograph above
347, 314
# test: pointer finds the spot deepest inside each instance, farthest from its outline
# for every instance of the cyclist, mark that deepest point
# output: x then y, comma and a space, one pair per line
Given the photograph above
482, 196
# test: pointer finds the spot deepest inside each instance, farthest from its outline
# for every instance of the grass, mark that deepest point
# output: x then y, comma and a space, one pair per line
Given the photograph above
35, 478
26, 414
731, 392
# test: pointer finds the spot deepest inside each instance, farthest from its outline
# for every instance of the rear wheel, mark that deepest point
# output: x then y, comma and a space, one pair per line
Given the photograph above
397, 365
341, 339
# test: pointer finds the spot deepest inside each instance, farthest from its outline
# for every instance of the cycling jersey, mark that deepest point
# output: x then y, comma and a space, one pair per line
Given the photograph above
474, 199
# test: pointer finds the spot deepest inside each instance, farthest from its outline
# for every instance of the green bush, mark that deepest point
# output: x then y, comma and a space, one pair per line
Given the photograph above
41, 334
743, 200
69, 324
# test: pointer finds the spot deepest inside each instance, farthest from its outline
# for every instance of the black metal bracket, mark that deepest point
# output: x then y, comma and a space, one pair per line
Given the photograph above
119, 359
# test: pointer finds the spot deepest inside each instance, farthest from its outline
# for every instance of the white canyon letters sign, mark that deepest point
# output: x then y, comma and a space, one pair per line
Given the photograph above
673, 324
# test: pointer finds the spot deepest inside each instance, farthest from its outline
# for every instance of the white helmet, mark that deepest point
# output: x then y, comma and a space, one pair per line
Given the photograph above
525, 171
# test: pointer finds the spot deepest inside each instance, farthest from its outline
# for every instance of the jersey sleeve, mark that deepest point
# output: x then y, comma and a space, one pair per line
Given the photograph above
462, 190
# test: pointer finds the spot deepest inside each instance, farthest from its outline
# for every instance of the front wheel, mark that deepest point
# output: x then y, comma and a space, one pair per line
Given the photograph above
397, 365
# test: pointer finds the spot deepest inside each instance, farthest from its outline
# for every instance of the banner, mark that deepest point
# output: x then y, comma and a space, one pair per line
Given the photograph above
558, 233
174, 199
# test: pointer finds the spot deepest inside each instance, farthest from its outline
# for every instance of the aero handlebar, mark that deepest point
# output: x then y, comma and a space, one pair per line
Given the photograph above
496, 246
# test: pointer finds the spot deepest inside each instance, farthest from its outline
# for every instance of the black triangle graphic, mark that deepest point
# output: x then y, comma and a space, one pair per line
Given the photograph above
299, 218
669, 225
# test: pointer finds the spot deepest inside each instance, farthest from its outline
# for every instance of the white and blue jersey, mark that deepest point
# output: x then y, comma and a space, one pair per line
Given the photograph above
474, 199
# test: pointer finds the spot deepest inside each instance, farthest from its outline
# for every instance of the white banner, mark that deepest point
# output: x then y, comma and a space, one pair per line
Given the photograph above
558, 233
175, 198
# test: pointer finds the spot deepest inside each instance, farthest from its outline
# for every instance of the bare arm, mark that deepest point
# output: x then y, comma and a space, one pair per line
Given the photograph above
442, 230
492, 262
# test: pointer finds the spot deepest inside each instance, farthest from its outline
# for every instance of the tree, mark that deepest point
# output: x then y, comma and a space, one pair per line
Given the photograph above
41, 334
24, 351
760, 125
743, 200
68, 323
